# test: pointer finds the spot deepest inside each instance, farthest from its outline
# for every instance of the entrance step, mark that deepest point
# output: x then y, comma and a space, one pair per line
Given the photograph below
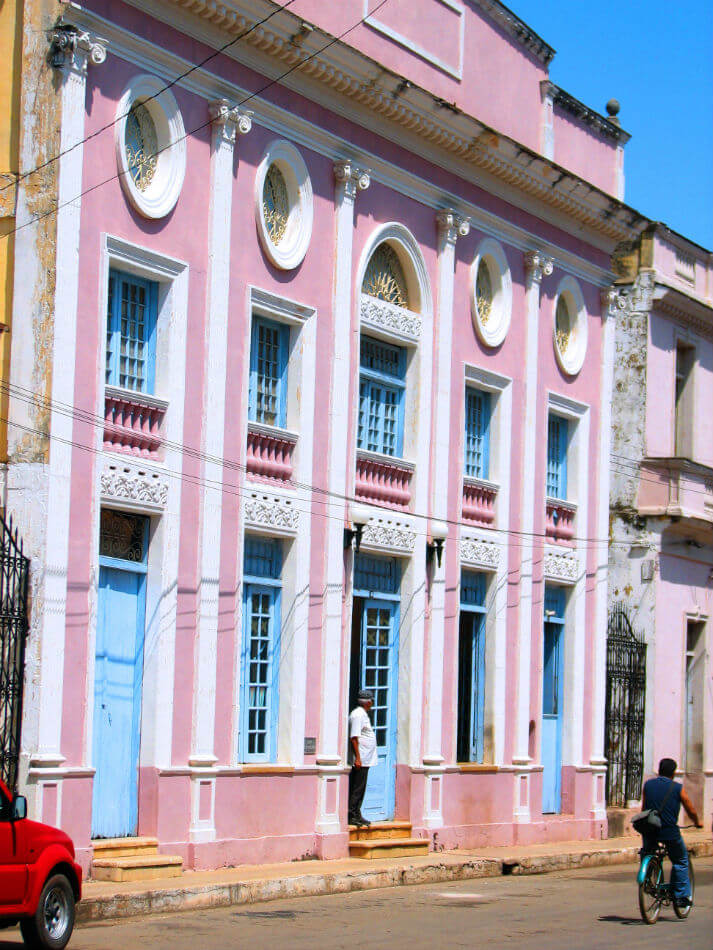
132, 859
385, 839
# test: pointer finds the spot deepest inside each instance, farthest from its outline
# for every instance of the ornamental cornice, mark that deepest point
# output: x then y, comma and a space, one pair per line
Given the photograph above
350, 178
388, 318
580, 111
561, 567
133, 486
271, 513
537, 266
392, 536
518, 29
452, 225
348, 73
229, 120
479, 553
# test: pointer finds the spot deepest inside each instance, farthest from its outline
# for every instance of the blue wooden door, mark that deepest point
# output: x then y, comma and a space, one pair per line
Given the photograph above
552, 703
117, 701
379, 633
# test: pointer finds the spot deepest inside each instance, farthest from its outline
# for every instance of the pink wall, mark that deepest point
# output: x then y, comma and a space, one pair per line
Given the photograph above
580, 149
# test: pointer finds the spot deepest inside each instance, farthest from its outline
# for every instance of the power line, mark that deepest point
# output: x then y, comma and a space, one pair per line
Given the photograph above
203, 125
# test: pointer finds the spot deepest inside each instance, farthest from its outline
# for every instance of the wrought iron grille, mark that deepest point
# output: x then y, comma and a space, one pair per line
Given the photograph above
625, 708
14, 570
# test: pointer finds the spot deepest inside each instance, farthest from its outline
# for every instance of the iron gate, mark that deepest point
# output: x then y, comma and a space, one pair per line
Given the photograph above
14, 569
625, 707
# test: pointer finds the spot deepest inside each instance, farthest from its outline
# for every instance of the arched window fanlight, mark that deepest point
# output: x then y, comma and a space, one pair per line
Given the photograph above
384, 277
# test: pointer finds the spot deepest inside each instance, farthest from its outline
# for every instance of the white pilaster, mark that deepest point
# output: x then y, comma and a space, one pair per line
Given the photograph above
72, 53
349, 181
226, 123
536, 266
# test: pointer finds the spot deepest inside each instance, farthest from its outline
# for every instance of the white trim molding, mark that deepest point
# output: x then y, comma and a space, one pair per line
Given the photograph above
271, 514
477, 552
560, 567
133, 487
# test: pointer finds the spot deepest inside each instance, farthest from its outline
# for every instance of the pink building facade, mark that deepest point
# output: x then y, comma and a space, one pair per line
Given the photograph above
326, 412
661, 558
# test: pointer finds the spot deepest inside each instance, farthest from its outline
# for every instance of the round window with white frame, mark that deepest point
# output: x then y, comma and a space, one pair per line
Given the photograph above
570, 327
284, 205
491, 293
150, 140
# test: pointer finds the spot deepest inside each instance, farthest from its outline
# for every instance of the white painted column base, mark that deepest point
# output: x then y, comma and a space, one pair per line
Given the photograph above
433, 792
331, 774
522, 773
203, 776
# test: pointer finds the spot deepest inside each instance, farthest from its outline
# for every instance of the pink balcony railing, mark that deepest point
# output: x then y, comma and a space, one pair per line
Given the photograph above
383, 482
559, 521
270, 452
479, 502
133, 423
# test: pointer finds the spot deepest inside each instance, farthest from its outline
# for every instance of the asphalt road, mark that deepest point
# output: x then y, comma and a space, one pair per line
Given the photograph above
591, 909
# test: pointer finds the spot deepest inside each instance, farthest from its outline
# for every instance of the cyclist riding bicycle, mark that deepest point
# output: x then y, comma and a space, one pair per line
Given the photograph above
667, 796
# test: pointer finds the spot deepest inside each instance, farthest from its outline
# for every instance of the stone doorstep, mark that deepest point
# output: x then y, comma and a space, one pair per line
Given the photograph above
123, 847
388, 847
380, 829
137, 867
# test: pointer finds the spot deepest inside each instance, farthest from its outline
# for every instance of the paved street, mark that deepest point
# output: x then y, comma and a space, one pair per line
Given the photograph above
589, 909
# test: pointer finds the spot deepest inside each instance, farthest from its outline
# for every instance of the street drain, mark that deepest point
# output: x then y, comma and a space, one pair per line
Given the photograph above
510, 867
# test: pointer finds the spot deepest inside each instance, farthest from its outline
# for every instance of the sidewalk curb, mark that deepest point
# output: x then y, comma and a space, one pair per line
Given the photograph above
204, 896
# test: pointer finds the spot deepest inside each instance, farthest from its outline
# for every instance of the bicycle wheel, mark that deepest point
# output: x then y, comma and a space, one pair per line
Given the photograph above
649, 892
683, 912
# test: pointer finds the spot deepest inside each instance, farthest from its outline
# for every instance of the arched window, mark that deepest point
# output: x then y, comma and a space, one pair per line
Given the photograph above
384, 277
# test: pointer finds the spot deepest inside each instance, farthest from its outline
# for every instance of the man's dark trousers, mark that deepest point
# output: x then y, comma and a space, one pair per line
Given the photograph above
357, 787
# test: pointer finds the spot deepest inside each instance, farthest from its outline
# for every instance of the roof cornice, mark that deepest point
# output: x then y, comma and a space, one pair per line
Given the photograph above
517, 28
590, 117
356, 87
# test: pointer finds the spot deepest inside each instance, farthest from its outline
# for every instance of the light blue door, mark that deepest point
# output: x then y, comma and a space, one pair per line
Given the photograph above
552, 701
117, 697
379, 674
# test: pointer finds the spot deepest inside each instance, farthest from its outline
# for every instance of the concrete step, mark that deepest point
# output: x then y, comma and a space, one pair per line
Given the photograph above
380, 829
388, 848
123, 847
137, 867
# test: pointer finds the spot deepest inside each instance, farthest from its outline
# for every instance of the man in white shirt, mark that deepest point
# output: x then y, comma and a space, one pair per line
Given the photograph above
362, 741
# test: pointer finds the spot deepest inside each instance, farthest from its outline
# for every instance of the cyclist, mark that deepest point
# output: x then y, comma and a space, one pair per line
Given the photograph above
667, 796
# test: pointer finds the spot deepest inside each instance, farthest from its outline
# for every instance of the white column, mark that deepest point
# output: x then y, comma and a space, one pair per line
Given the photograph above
226, 122
536, 266
450, 226
610, 304
349, 181
72, 53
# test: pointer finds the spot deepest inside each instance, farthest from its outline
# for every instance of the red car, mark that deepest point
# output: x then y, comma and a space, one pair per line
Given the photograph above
40, 882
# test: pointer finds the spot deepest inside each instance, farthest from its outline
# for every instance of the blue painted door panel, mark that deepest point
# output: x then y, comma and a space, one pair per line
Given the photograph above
117, 702
552, 719
379, 634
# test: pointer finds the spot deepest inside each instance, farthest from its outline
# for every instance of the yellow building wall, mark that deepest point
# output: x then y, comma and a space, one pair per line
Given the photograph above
11, 13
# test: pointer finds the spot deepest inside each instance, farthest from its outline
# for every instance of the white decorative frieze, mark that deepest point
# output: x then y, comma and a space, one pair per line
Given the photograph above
387, 317
270, 513
479, 553
383, 534
561, 567
131, 485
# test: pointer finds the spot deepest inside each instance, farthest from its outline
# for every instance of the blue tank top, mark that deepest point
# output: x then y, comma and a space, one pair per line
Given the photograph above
654, 793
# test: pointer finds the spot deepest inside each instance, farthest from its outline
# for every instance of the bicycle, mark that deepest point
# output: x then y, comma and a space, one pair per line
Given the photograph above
654, 891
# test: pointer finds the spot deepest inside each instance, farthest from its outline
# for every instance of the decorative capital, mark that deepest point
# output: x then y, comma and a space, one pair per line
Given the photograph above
72, 49
537, 266
350, 178
228, 120
639, 296
613, 302
452, 225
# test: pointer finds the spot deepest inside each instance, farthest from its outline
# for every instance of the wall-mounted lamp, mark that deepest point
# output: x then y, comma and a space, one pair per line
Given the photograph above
360, 519
434, 546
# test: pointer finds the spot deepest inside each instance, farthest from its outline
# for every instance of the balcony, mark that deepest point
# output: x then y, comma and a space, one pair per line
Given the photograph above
133, 423
559, 521
270, 454
381, 481
676, 488
479, 498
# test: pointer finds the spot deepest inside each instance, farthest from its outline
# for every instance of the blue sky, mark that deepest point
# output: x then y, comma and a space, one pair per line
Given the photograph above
656, 58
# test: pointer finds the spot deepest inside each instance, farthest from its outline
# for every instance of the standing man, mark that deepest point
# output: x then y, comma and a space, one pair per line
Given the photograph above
667, 796
363, 748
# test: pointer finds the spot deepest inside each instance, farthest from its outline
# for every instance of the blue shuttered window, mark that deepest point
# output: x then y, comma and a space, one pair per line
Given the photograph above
557, 438
477, 433
132, 309
269, 347
471, 667
381, 390
261, 650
